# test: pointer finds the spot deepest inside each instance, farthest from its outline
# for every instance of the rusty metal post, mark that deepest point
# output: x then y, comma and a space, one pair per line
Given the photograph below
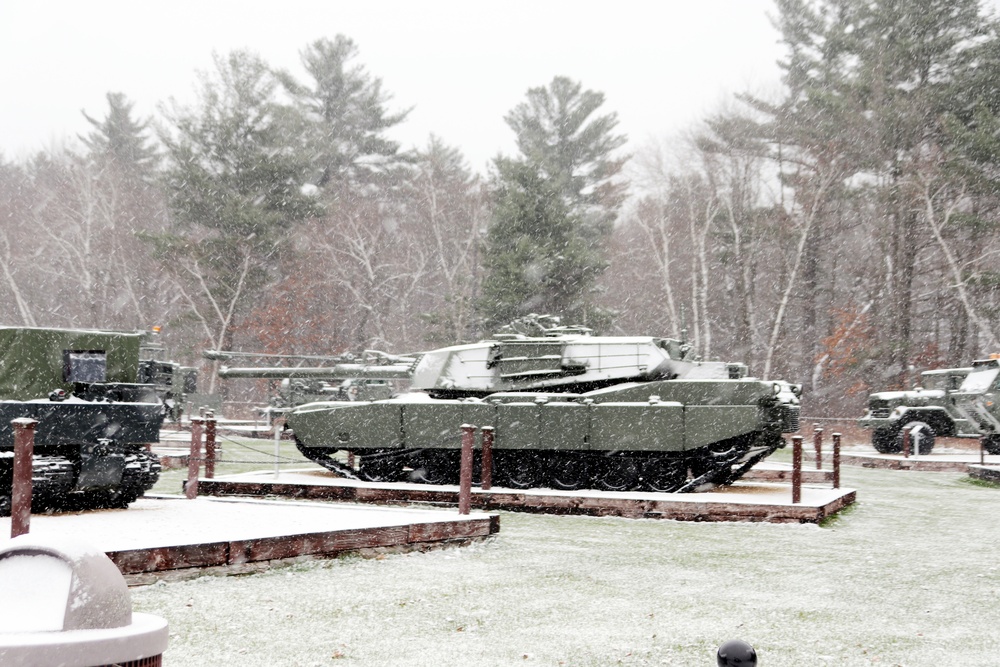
486, 474
982, 450
210, 445
906, 443
194, 459
818, 445
465, 470
836, 460
20, 492
350, 460
796, 468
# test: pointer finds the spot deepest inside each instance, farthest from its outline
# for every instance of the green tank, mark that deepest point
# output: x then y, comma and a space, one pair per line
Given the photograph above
570, 410
300, 381
94, 420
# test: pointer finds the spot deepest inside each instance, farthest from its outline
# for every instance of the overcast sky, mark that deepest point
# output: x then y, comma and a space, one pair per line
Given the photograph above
461, 65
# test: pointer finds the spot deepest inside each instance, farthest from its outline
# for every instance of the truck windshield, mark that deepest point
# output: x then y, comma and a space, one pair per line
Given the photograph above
980, 380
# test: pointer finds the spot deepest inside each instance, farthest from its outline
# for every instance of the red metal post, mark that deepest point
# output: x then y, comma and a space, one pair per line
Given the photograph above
818, 444
906, 443
465, 471
836, 460
194, 459
210, 445
20, 492
486, 474
796, 468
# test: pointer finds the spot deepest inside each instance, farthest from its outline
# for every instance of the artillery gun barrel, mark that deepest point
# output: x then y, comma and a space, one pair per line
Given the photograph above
225, 355
340, 371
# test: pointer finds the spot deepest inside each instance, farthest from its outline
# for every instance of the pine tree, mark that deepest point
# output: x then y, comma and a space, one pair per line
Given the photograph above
558, 132
535, 261
121, 140
555, 205
344, 117
234, 183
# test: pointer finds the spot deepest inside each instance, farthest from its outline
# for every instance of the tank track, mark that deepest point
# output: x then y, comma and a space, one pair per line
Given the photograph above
319, 455
54, 481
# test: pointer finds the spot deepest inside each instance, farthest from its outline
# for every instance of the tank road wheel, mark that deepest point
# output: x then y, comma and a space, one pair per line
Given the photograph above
569, 472
379, 467
434, 466
520, 470
923, 439
991, 443
618, 473
663, 474
884, 440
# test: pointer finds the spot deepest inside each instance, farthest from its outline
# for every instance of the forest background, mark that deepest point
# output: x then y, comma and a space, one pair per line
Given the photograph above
838, 234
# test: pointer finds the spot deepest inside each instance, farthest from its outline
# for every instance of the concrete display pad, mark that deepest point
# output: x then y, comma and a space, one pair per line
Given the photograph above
946, 460
161, 534
743, 501
769, 471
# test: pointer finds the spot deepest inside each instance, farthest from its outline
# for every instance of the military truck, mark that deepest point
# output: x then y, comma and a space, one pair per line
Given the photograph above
978, 400
94, 419
950, 402
570, 410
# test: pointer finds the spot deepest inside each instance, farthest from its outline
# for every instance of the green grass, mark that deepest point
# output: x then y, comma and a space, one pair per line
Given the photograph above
237, 454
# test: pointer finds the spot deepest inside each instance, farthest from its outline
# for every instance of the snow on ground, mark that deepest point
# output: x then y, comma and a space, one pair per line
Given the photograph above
161, 521
909, 576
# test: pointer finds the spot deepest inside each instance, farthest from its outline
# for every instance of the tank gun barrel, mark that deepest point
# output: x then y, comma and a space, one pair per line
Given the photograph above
339, 371
226, 355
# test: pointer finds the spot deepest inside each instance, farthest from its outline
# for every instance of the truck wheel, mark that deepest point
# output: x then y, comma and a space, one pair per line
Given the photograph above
924, 436
991, 443
884, 440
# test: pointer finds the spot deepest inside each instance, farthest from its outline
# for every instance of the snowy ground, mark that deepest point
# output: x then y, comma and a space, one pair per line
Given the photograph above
161, 521
909, 576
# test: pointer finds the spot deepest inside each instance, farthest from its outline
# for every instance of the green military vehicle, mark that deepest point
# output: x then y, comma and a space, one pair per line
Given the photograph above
570, 410
300, 381
978, 400
94, 419
174, 383
950, 402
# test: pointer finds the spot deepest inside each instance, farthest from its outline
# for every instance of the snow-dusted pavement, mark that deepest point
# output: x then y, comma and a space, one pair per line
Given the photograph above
908, 576
167, 521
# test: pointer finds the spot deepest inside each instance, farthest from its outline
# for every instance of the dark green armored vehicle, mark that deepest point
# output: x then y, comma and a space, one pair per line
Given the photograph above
94, 419
570, 410
173, 383
300, 381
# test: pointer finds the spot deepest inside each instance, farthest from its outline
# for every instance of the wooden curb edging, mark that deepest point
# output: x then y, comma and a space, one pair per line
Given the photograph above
633, 505
327, 544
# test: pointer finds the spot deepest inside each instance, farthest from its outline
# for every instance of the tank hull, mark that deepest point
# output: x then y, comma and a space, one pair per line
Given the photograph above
661, 435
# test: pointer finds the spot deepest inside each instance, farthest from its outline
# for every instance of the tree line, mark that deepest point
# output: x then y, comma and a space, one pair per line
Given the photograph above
838, 233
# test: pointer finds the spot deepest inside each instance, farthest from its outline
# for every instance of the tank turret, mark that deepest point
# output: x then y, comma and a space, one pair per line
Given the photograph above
569, 410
